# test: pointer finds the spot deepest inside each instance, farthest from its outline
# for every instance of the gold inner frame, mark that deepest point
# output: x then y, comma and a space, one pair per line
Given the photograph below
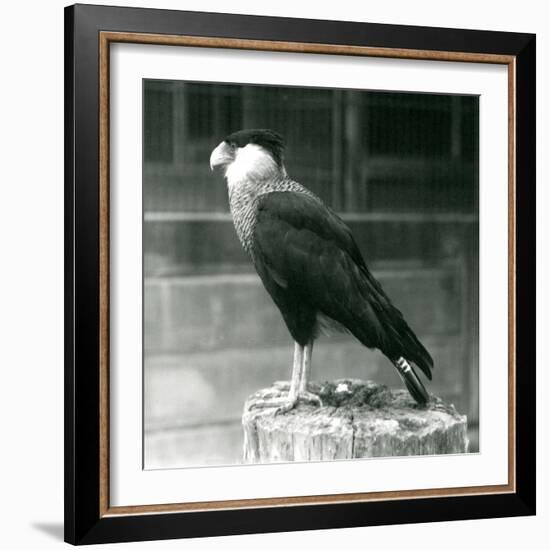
105, 39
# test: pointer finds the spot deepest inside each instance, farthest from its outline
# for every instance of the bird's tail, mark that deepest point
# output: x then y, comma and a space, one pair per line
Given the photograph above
411, 380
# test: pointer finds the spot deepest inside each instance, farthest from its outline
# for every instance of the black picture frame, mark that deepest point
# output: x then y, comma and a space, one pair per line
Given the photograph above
84, 521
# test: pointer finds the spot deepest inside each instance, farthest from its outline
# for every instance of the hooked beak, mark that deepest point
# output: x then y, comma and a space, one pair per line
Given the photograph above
221, 155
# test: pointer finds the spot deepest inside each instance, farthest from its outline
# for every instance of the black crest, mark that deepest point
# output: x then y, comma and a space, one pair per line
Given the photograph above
268, 139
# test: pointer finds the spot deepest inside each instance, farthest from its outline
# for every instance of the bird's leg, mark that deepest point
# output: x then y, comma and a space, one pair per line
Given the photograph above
303, 393
285, 404
306, 367
297, 366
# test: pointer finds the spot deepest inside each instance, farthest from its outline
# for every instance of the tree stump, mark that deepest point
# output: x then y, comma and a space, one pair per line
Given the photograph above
358, 419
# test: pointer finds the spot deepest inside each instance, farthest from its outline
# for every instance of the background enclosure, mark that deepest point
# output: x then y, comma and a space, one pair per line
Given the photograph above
401, 169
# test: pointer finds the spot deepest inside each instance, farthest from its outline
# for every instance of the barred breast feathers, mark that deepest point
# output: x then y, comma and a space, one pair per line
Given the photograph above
243, 201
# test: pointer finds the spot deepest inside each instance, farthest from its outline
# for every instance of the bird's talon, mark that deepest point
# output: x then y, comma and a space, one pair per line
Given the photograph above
309, 397
281, 404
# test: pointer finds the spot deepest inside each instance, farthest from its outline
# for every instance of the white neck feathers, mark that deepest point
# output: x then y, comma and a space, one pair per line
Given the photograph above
252, 163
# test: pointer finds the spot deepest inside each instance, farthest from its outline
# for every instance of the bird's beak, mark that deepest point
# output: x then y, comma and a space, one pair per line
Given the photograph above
221, 155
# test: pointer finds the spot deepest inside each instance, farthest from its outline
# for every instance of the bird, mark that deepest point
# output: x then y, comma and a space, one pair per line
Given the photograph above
310, 264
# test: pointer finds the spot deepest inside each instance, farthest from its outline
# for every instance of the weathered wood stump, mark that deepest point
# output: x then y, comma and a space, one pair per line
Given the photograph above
358, 419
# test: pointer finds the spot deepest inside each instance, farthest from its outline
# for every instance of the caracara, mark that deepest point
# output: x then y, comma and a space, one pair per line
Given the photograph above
310, 264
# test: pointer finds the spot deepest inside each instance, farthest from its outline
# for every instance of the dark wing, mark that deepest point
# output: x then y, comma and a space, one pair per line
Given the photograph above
304, 248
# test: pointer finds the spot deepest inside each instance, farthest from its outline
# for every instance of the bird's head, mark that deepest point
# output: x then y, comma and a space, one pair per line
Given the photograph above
255, 154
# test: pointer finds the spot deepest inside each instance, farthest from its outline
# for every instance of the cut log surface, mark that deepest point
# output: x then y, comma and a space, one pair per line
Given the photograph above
358, 419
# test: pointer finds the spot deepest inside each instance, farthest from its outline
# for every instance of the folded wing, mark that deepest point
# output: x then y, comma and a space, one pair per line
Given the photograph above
303, 248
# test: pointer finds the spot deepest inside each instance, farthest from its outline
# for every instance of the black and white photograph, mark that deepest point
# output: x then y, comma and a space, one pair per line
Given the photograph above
310, 274
275, 275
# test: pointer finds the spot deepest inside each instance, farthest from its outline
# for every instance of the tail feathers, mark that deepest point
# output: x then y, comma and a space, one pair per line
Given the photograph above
412, 382
418, 353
